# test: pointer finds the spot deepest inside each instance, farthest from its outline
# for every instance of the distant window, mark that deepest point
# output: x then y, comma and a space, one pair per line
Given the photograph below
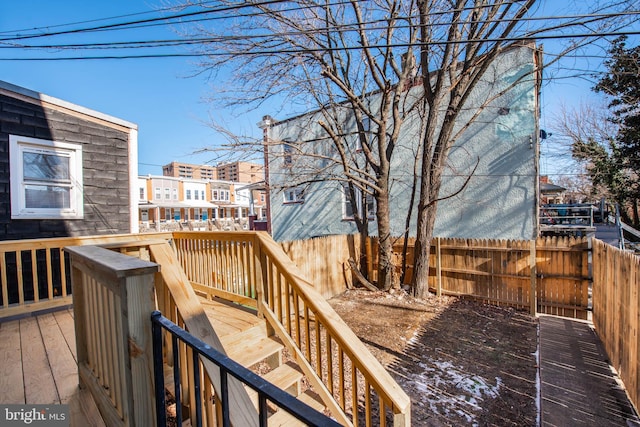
202, 194
196, 195
294, 195
142, 193
188, 194
288, 154
348, 210
46, 179
175, 194
167, 193
214, 194
157, 193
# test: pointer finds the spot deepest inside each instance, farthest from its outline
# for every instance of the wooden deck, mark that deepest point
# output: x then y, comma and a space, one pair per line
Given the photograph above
38, 365
578, 387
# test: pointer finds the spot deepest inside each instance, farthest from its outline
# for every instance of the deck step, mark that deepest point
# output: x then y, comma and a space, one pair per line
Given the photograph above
283, 419
286, 377
233, 322
250, 352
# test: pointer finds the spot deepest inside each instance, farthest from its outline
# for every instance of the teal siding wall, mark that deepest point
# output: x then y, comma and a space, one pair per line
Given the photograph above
500, 200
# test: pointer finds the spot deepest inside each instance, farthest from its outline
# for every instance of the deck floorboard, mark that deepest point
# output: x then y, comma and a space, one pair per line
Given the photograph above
38, 365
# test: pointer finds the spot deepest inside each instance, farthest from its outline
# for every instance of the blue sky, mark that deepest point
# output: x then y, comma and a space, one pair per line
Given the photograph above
162, 95
157, 94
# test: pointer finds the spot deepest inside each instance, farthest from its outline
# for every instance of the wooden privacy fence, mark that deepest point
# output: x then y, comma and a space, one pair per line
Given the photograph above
506, 272
113, 301
616, 311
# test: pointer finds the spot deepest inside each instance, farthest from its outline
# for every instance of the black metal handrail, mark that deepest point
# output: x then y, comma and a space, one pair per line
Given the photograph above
266, 390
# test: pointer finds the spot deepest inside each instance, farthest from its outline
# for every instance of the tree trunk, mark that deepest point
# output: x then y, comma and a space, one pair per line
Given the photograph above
426, 222
385, 246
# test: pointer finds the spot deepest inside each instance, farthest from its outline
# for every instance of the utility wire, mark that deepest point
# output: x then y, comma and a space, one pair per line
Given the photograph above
222, 39
320, 50
167, 19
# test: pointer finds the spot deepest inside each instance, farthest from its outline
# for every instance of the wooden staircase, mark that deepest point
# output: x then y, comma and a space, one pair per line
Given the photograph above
241, 294
248, 340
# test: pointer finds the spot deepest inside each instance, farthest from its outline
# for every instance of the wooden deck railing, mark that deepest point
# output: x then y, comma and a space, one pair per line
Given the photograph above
35, 274
616, 311
252, 269
354, 385
113, 301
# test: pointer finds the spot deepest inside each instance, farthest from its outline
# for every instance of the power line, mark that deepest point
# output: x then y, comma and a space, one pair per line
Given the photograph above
342, 28
320, 50
137, 23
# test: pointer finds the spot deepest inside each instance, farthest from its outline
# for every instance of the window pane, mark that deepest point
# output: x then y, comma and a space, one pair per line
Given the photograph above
50, 167
47, 197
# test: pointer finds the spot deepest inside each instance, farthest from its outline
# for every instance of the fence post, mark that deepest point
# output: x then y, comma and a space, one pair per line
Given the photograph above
438, 268
533, 299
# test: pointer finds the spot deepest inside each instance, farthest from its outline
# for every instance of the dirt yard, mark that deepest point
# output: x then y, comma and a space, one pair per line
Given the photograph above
461, 362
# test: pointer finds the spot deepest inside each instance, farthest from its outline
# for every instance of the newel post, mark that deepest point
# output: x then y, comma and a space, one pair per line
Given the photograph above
113, 298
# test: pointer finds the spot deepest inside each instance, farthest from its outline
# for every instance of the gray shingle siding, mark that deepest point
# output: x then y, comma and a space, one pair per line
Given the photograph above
105, 162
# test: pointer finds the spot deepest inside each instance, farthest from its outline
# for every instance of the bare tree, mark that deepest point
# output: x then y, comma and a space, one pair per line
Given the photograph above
354, 63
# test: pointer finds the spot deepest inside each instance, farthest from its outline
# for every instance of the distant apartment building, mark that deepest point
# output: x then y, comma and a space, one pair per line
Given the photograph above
240, 172
185, 170
234, 171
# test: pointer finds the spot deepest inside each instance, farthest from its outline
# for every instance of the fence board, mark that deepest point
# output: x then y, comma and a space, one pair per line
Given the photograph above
616, 316
500, 271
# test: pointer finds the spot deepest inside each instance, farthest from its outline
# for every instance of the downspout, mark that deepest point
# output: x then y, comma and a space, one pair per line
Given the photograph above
538, 61
265, 125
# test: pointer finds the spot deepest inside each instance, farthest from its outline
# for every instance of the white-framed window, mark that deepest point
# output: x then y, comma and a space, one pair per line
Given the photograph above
196, 195
167, 193
347, 206
220, 195
287, 149
175, 194
188, 194
46, 179
202, 194
294, 195
157, 193
142, 194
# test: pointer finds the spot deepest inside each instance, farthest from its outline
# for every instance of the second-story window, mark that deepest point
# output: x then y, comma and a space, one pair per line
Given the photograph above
294, 195
196, 195
167, 193
188, 194
157, 193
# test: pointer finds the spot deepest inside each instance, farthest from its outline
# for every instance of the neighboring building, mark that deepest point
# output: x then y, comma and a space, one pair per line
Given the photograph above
234, 171
66, 170
186, 170
500, 201
240, 172
168, 203
549, 192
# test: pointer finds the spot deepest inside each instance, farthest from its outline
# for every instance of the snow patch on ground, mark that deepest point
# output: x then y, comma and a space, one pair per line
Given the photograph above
449, 390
